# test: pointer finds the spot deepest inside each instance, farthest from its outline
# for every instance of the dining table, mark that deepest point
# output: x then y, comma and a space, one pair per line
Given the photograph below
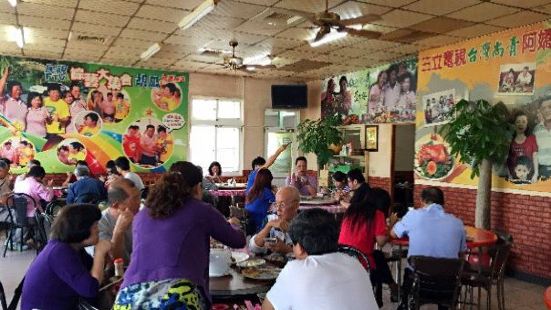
476, 238
328, 204
235, 284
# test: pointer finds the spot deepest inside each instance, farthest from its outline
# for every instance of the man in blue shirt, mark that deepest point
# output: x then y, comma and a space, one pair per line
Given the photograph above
260, 162
432, 232
85, 189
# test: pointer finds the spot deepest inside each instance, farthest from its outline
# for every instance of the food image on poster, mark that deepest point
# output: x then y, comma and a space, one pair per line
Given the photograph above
148, 143
432, 158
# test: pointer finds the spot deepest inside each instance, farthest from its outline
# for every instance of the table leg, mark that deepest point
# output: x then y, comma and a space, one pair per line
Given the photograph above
399, 273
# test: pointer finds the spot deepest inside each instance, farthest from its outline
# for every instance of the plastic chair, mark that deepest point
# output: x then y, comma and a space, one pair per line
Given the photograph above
435, 281
3, 301
486, 278
44, 224
352, 251
17, 214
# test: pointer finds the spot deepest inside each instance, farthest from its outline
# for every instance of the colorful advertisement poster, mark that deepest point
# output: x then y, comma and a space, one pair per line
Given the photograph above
385, 94
510, 66
63, 112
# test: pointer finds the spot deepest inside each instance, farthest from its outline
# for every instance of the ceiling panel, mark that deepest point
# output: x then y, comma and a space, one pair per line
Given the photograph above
237, 9
301, 32
522, 4
260, 2
43, 22
219, 22
392, 3
91, 47
110, 6
437, 41
119, 61
47, 11
151, 25
32, 32
401, 18
180, 4
259, 27
352, 9
183, 65
162, 13
64, 3
483, 12
46, 44
518, 19
475, 31
7, 18
101, 18
544, 8
312, 6
6, 7
132, 43
440, 24
439, 7
142, 35
42, 54
99, 30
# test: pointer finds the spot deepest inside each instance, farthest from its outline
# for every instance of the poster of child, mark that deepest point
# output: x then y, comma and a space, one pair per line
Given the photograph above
70, 151
18, 151
88, 123
148, 143
167, 97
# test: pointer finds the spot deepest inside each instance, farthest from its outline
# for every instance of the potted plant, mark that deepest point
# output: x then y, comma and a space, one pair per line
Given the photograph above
479, 134
315, 136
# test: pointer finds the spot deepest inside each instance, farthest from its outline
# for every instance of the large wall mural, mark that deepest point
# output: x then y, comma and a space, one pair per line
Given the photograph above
514, 67
62, 112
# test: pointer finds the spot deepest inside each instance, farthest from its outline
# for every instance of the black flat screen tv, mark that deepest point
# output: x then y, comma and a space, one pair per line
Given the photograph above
289, 96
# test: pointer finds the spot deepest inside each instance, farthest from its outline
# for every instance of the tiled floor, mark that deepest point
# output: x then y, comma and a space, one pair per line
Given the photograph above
519, 295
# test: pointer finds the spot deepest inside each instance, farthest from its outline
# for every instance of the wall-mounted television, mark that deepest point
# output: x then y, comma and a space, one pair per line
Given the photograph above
289, 96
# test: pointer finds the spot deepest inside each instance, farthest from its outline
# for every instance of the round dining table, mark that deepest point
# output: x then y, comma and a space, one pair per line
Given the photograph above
547, 297
327, 204
235, 284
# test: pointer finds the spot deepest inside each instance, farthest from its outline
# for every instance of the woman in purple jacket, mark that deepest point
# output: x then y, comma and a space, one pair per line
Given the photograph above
170, 259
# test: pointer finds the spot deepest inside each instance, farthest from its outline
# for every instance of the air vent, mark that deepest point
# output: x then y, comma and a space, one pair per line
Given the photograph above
209, 52
85, 38
278, 17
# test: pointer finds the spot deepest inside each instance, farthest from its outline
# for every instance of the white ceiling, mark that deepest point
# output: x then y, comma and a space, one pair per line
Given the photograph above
127, 28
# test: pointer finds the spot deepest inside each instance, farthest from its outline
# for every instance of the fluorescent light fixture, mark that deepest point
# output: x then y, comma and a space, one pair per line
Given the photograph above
152, 50
250, 68
16, 35
199, 12
294, 19
330, 37
13, 2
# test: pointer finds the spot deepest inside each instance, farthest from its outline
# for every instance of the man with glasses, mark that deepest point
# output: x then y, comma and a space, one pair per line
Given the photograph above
274, 236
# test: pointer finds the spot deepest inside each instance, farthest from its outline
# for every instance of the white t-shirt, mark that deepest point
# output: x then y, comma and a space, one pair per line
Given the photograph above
330, 281
136, 179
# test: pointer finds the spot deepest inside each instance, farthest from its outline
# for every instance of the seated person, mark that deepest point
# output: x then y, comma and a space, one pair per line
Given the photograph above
112, 173
259, 163
307, 185
86, 189
320, 277
259, 199
71, 178
206, 184
215, 172
5, 181
123, 167
63, 272
358, 187
432, 232
341, 191
33, 186
115, 225
287, 201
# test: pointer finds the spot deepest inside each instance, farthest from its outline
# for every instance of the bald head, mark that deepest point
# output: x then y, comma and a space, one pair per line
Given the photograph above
289, 193
288, 200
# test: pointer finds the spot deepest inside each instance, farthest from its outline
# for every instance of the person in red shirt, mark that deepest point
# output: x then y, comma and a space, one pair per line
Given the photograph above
363, 225
131, 143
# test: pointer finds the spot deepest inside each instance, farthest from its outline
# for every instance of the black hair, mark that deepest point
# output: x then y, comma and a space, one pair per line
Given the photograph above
109, 94
518, 113
24, 142
215, 163
123, 163
111, 167
339, 176
73, 85
63, 147
364, 204
37, 172
300, 158
77, 145
5, 160
81, 163
54, 86
403, 77
149, 126
73, 223
12, 84
343, 78
356, 174
316, 230
93, 116
432, 194
7, 142
172, 88
120, 95
31, 96
161, 128
393, 67
380, 199
35, 162
258, 161
4, 164
525, 161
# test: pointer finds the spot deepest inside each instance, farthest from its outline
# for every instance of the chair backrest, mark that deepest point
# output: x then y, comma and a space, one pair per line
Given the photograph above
436, 278
352, 251
499, 259
44, 224
18, 202
3, 301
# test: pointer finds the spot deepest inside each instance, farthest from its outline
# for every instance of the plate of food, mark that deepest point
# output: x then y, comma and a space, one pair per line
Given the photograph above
433, 159
239, 257
261, 273
255, 262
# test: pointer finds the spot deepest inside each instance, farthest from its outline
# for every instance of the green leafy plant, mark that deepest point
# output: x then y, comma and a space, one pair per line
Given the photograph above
479, 133
315, 136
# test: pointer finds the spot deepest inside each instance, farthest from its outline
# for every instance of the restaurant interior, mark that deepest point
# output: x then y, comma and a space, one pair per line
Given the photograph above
134, 131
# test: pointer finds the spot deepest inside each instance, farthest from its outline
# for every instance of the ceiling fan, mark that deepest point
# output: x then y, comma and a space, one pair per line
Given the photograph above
327, 20
236, 63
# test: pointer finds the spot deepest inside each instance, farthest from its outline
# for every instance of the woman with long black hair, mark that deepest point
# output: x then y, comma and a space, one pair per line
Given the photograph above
259, 198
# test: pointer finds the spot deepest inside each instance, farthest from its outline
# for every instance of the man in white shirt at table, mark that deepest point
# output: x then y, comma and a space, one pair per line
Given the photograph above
320, 277
432, 232
525, 77
287, 203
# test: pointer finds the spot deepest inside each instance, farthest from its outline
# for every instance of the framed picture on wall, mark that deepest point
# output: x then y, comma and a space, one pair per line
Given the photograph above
517, 79
372, 138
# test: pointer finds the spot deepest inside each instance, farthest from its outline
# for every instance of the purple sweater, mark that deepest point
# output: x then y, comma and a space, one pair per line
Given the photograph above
178, 246
57, 277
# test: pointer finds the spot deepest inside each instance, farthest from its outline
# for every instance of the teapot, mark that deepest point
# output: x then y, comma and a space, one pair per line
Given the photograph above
219, 262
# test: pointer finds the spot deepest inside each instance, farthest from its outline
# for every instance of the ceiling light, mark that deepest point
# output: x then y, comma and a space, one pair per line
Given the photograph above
13, 2
294, 19
250, 68
199, 12
152, 50
16, 35
330, 37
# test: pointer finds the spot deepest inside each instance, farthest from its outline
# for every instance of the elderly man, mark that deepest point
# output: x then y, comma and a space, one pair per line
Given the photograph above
306, 185
320, 277
432, 232
115, 225
287, 202
542, 131
85, 189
